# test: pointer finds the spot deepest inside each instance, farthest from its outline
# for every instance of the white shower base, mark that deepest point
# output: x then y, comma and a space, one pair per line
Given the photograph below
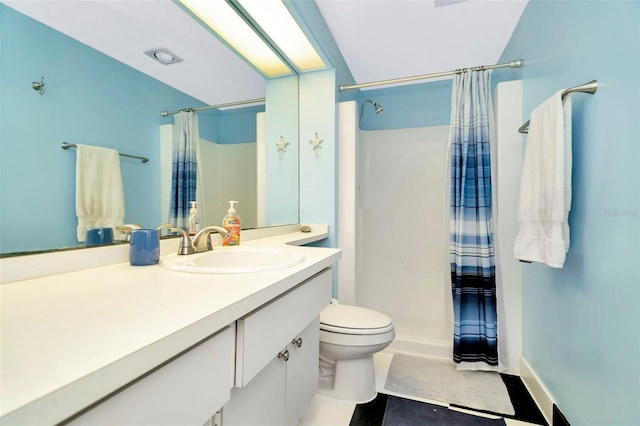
419, 338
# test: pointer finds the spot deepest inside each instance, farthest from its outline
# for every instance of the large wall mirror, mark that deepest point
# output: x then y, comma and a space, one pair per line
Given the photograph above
91, 98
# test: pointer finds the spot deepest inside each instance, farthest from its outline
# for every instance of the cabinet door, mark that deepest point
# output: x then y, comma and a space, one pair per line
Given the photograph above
279, 394
261, 403
302, 371
264, 332
186, 391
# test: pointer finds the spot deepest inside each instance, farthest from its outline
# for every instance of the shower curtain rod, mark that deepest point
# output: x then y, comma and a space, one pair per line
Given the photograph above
250, 101
513, 64
65, 145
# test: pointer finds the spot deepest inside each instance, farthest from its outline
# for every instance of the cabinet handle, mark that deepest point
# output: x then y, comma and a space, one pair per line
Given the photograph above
297, 342
284, 355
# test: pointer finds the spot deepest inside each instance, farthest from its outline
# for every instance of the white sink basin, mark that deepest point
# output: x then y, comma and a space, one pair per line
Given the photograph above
233, 260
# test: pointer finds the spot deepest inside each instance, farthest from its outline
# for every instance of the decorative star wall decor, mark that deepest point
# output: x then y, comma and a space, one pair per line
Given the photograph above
282, 147
315, 142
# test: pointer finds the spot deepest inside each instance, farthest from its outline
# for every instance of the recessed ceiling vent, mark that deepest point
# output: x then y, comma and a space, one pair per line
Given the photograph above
439, 3
163, 55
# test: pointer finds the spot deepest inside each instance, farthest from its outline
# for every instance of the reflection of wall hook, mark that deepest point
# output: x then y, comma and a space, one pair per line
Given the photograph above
38, 85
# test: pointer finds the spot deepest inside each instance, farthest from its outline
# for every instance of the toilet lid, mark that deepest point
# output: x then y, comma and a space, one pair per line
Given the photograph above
353, 320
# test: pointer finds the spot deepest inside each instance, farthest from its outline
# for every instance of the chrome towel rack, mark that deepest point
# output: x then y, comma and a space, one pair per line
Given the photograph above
590, 88
65, 145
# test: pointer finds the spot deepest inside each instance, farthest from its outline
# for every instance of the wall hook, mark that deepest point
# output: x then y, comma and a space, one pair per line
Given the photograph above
38, 85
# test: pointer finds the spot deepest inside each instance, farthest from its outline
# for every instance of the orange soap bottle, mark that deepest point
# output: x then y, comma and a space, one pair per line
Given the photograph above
231, 223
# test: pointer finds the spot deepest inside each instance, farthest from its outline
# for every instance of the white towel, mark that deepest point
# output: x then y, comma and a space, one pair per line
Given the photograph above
99, 189
545, 186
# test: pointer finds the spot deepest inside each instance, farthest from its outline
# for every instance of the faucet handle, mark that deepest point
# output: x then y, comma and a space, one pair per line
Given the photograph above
130, 226
127, 229
185, 246
164, 226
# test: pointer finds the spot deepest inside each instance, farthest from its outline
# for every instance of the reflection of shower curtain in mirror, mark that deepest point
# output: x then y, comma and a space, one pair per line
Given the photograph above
472, 251
184, 173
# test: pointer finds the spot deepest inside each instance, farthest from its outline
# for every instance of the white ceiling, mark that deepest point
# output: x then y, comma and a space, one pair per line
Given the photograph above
379, 39
387, 39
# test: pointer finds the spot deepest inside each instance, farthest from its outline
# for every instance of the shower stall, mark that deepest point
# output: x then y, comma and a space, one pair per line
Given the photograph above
394, 227
402, 257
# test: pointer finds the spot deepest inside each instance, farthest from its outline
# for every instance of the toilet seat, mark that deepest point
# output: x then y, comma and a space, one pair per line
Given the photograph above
356, 331
354, 320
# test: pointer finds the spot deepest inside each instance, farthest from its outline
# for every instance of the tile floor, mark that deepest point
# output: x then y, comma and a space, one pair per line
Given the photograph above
324, 411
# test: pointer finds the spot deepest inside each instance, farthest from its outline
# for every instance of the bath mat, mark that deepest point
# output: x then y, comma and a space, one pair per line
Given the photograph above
439, 380
404, 412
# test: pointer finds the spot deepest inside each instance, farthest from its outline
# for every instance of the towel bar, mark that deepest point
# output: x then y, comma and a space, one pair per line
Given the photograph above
590, 88
65, 145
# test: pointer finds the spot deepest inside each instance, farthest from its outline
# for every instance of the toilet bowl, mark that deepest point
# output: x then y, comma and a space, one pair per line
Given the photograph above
349, 336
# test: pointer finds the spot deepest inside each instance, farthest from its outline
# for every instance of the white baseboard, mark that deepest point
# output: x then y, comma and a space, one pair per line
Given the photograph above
537, 389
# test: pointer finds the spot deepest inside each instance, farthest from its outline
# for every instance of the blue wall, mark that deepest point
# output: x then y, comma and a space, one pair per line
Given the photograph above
581, 331
415, 105
236, 125
90, 98
282, 171
318, 174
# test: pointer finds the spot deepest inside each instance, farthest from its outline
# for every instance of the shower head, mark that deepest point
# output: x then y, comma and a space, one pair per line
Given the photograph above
376, 105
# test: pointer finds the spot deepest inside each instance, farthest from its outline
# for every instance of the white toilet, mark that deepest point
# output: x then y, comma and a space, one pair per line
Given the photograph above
349, 336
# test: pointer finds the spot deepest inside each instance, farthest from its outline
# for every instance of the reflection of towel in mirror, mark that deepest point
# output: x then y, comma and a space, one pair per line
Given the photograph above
545, 188
99, 189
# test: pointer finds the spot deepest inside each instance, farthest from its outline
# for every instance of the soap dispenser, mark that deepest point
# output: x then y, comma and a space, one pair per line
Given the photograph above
231, 223
193, 218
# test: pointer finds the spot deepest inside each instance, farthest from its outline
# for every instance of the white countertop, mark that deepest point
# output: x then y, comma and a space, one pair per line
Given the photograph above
72, 338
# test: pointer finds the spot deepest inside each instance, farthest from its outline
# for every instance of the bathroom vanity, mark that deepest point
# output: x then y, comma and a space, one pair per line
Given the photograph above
119, 344
277, 357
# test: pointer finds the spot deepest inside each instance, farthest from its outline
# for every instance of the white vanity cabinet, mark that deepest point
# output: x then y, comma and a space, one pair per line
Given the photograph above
277, 357
188, 390
91, 339
302, 372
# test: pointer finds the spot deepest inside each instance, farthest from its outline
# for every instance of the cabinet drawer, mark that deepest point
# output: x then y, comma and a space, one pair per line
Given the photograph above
266, 331
186, 391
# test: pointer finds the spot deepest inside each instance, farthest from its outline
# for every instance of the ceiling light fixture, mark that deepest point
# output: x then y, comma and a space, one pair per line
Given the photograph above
276, 21
163, 55
233, 30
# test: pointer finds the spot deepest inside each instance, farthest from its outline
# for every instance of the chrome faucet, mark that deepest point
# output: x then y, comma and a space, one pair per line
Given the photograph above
206, 232
189, 246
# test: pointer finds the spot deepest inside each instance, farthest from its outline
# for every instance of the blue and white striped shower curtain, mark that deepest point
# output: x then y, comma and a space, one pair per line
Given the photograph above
184, 173
471, 230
